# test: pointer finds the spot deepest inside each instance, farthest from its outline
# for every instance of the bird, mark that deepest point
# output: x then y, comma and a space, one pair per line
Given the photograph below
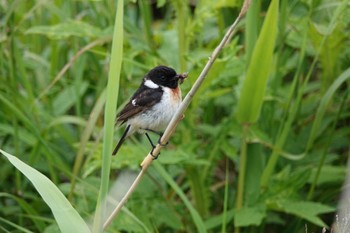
152, 106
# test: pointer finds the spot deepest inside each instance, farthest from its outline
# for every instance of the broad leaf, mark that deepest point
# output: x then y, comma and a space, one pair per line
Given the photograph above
306, 210
67, 217
248, 216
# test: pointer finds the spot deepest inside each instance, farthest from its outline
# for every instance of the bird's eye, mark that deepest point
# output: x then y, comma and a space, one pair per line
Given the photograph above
162, 77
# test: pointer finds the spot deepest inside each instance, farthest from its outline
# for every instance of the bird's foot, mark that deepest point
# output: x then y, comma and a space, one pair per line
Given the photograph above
162, 144
154, 156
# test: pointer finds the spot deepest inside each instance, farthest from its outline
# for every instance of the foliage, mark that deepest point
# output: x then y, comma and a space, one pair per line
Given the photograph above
54, 70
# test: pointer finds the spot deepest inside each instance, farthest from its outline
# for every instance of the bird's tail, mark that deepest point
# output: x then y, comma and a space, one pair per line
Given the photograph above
121, 140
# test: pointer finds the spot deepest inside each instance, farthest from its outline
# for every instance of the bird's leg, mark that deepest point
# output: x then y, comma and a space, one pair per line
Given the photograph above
153, 146
160, 136
149, 139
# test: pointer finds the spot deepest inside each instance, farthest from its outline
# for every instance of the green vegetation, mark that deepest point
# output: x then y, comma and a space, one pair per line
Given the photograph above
263, 146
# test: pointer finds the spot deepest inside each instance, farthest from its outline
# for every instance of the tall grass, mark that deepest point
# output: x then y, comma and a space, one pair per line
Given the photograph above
109, 117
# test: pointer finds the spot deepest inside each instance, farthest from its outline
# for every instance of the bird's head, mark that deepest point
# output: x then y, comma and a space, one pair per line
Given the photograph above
165, 76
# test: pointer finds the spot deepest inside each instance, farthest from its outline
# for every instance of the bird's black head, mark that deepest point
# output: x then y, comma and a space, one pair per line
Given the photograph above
163, 75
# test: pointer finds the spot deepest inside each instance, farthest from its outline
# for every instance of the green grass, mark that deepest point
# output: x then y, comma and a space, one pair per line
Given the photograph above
281, 172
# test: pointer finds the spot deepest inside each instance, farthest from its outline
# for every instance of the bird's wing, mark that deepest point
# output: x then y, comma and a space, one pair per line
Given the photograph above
143, 99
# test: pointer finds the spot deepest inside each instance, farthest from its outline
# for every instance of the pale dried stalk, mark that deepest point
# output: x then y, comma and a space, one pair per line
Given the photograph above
179, 113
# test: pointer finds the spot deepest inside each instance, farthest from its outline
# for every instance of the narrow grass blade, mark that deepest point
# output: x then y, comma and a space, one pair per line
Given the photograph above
324, 104
110, 112
194, 214
253, 89
27, 208
66, 216
21, 229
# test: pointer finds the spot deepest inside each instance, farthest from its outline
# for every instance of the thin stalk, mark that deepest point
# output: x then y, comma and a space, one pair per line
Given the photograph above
182, 14
147, 19
252, 28
95, 113
125, 198
242, 168
324, 154
224, 215
109, 117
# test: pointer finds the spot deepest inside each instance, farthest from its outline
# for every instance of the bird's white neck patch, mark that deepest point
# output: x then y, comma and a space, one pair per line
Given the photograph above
149, 83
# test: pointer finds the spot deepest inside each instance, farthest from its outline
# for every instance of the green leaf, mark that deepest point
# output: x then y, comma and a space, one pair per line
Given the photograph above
110, 113
160, 3
216, 220
254, 85
305, 210
66, 216
248, 216
67, 98
326, 99
67, 29
198, 221
329, 174
330, 51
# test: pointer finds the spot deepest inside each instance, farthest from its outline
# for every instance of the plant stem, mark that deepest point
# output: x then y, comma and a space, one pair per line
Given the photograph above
109, 117
125, 198
227, 177
242, 168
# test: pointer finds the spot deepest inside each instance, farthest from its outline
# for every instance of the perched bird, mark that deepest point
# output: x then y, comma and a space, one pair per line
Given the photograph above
153, 104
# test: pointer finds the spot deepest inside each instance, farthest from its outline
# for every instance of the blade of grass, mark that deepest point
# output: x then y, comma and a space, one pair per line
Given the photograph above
253, 89
224, 213
252, 28
194, 214
110, 111
70, 63
319, 115
31, 211
145, 9
21, 229
281, 139
95, 113
66, 216
181, 8
326, 99
287, 121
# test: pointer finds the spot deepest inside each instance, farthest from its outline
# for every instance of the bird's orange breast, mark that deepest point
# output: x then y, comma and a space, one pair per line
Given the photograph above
176, 94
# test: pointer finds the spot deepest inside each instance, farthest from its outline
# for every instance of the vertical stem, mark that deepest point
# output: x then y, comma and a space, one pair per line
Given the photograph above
182, 12
109, 116
252, 28
224, 218
242, 168
147, 21
324, 154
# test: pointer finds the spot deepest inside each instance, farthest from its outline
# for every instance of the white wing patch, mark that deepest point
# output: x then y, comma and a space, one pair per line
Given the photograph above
149, 83
133, 102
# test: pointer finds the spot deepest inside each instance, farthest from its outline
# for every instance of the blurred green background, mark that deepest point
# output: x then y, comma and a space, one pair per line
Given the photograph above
54, 59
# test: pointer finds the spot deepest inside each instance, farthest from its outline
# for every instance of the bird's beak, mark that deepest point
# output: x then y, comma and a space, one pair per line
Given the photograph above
181, 77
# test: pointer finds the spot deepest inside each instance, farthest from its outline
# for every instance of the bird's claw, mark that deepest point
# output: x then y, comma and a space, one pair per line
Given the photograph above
162, 144
154, 156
